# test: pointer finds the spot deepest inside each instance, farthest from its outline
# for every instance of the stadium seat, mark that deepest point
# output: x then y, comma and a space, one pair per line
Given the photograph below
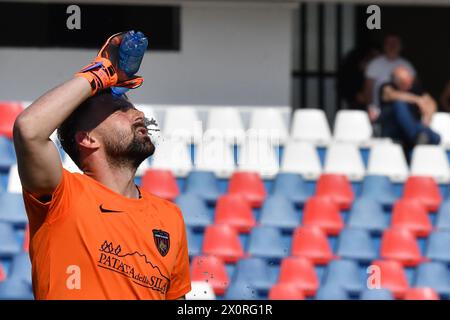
2, 273
21, 268
411, 215
388, 159
331, 292
379, 188
7, 155
194, 246
143, 167
425, 190
266, 242
433, 275
292, 186
349, 122
223, 241
250, 186
440, 123
392, 277
337, 188
257, 154
200, 291
421, 294
234, 210
376, 294
323, 213
345, 159
204, 185
301, 273
8, 114
285, 291
210, 269
443, 217
438, 246
194, 210
367, 213
311, 125
12, 209
356, 244
430, 161
400, 244
344, 274
182, 123
269, 121
256, 272
239, 290
173, 155
215, 155
226, 123
12, 289
312, 243
279, 212
161, 183
301, 157
8, 241
14, 184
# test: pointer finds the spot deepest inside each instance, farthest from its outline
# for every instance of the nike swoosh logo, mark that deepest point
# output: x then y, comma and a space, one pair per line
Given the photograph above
108, 210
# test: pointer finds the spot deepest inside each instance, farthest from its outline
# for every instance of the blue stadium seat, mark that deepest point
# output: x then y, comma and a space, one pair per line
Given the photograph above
256, 272
194, 243
279, 212
194, 209
379, 188
376, 294
356, 244
368, 214
443, 216
8, 241
267, 242
21, 268
344, 274
434, 275
240, 290
203, 184
12, 209
331, 292
438, 247
292, 186
7, 157
12, 289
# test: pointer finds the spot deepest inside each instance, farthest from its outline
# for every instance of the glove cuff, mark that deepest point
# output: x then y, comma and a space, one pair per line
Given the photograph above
100, 73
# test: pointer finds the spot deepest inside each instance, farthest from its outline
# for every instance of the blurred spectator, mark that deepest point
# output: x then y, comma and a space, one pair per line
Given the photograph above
380, 70
406, 111
445, 98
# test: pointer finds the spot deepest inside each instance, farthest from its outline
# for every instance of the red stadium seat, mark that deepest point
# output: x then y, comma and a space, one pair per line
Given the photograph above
212, 270
250, 186
336, 187
2, 273
421, 294
312, 243
301, 273
8, 114
400, 244
161, 183
235, 211
223, 242
393, 277
323, 213
26, 239
424, 189
285, 291
411, 215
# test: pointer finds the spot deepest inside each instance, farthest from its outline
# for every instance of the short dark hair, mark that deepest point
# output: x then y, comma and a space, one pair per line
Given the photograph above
81, 119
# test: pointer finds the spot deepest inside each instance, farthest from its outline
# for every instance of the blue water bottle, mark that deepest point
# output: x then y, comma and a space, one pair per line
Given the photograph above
131, 52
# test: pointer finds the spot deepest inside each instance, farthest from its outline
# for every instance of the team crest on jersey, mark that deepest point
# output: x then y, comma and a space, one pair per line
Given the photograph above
162, 241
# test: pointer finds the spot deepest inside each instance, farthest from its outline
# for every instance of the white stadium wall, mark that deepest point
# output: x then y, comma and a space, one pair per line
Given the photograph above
230, 55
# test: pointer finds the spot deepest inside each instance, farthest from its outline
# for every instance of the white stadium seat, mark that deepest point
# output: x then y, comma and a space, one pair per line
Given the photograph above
352, 126
14, 184
200, 291
344, 158
311, 125
172, 154
441, 124
388, 159
269, 121
301, 157
182, 122
226, 122
215, 155
428, 160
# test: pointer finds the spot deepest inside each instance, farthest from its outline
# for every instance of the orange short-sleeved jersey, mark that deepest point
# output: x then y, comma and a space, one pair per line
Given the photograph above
89, 242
